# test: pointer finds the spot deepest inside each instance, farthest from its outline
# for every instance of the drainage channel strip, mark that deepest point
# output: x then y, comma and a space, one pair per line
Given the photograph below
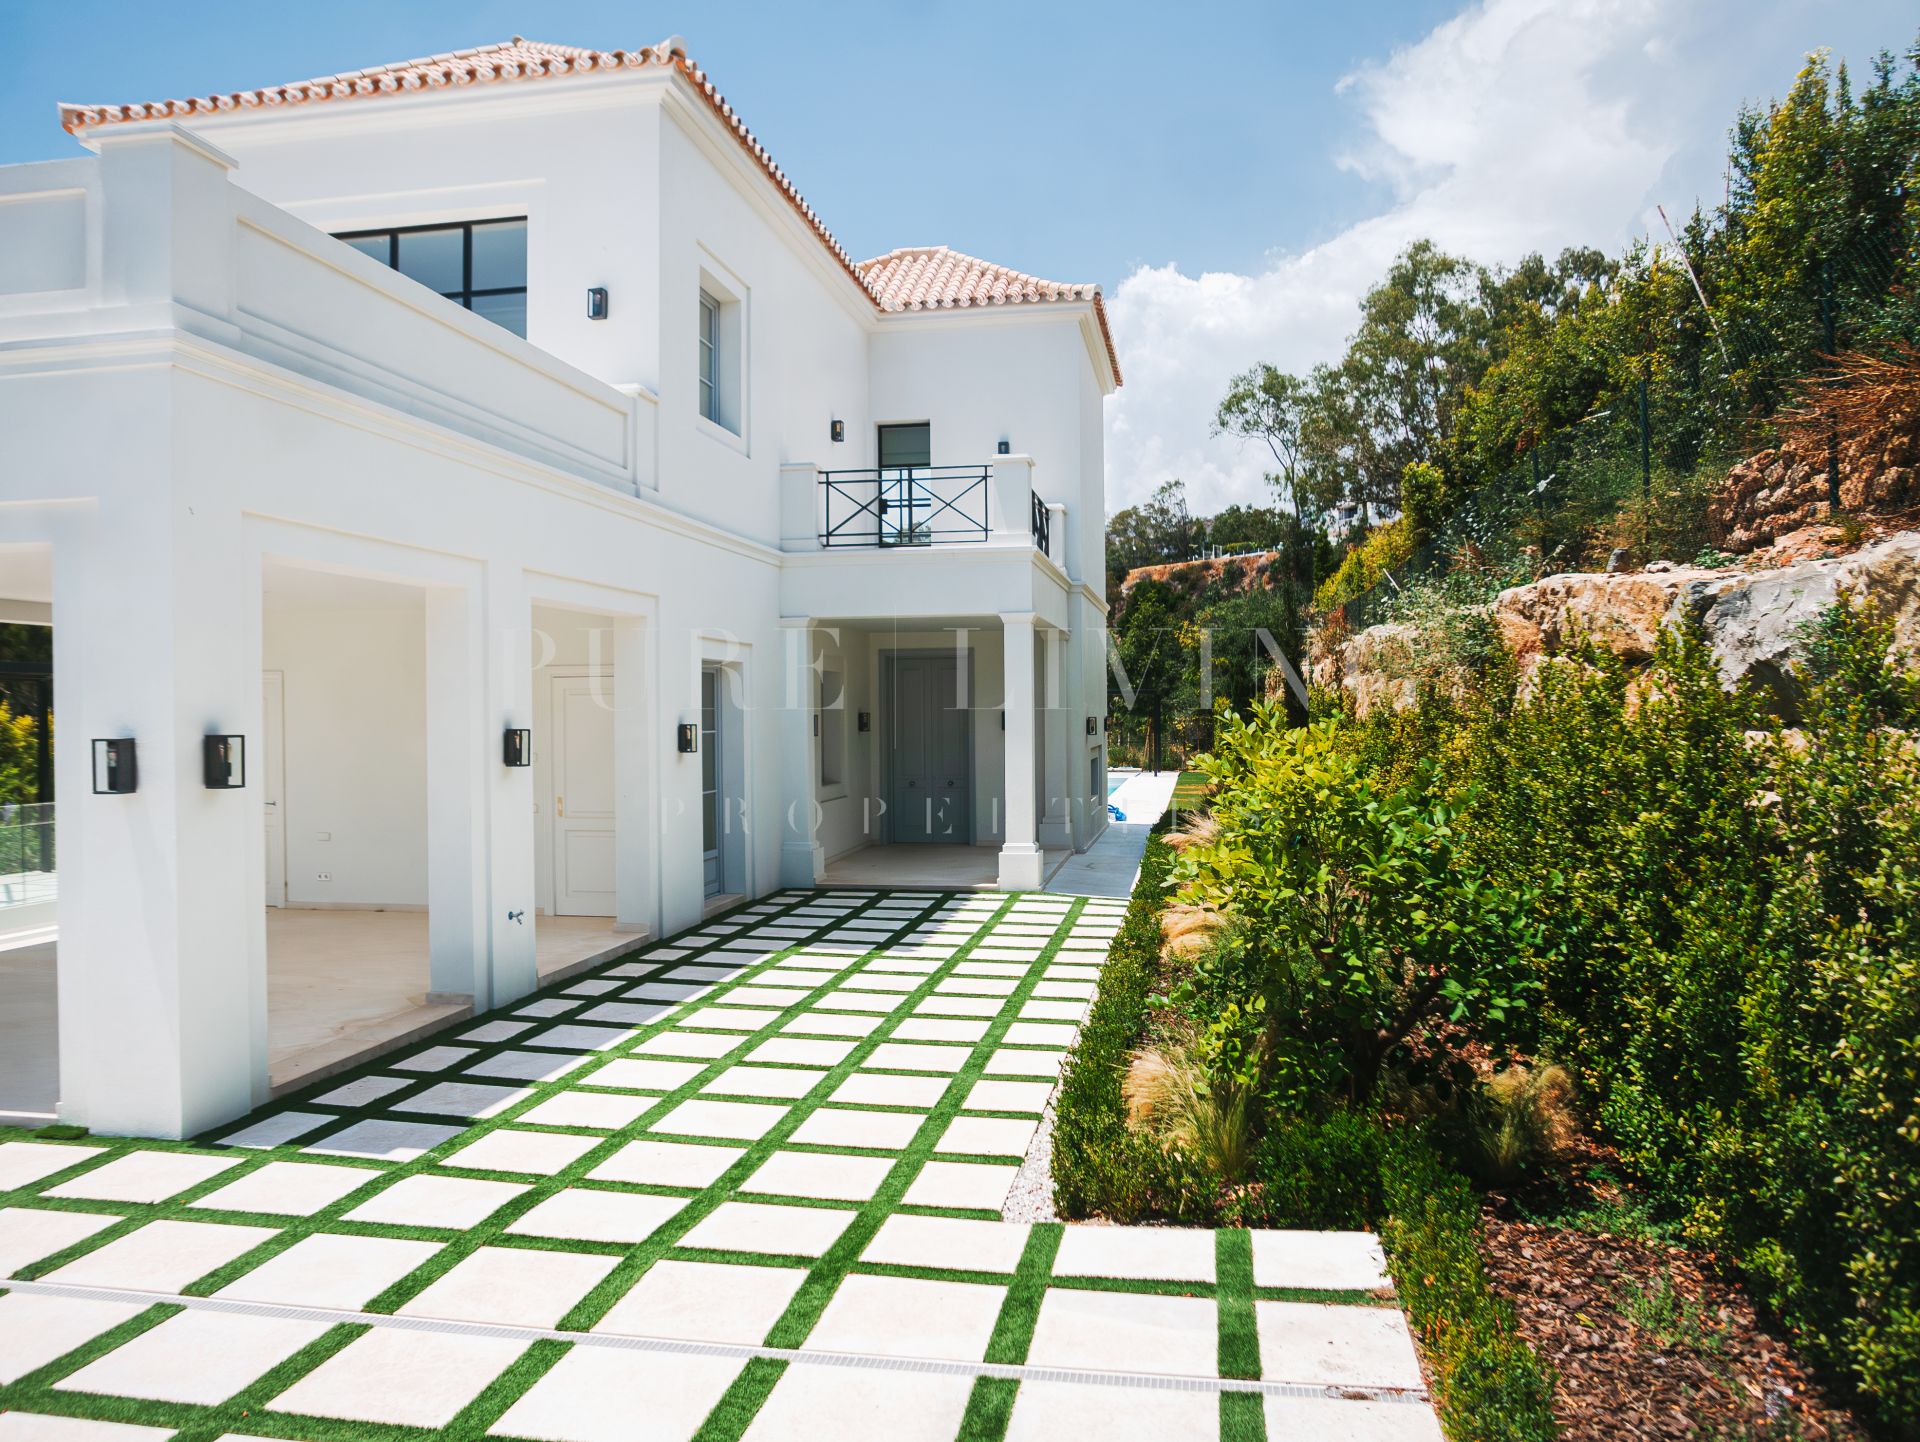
679, 1346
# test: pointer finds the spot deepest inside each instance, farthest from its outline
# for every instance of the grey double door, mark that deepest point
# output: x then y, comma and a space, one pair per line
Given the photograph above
929, 753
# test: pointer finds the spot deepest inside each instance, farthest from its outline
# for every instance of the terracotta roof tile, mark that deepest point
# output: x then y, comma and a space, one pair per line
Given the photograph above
926, 278
935, 277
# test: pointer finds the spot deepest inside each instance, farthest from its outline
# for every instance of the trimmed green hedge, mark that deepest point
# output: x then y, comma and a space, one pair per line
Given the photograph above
1100, 1166
1487, 1384
1344, 1170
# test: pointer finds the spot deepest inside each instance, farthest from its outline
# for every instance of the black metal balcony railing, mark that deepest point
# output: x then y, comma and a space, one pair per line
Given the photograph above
904, 505
1042, 526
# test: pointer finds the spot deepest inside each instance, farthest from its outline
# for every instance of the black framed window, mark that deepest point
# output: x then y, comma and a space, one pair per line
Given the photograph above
908, 445
481, 265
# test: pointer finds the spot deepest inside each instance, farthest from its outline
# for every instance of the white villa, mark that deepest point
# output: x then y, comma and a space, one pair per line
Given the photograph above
486, 519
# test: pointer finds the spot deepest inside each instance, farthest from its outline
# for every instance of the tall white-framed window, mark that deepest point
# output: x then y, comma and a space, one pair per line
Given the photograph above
710, 358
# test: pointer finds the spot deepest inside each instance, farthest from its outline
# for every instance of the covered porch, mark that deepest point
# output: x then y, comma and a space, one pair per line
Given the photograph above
931, 752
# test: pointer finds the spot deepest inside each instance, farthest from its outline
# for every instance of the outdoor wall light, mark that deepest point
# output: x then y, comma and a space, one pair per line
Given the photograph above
223, 762
865, 720
1006, 448
597, 303
689, 738
1093, 725
516, 746
115, 771
836, 430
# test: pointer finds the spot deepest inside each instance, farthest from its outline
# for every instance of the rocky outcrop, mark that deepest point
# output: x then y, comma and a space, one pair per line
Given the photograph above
1781, 490
1622, 613
1757, 623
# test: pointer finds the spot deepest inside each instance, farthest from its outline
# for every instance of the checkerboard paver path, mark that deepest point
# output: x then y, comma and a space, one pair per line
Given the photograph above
745, 1184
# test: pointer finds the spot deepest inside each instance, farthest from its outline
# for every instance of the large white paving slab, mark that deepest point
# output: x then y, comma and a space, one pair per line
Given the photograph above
432, 1201
740, 1121
981, 1186
28, 1234
1334, 1260
704, 1302
908, 1317
162, 1256
1158, 1254
510, 1149
597, 1394
954, 1243
768, 1229
589, 1214
860, 1404
1126, 1332
326, 1270
386, 1141
666, 1164
518, 1285
841, 1127
410, 1379
293, 1189
819, 1174
144, 1177
1052, 1411
197, 1357
24, 1163
35, 1330
1335, 1346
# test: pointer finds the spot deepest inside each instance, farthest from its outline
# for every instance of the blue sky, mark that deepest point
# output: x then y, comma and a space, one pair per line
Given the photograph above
1234, 175
1134, 137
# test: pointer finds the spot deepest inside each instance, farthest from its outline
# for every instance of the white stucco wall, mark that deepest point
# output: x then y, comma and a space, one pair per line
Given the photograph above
354, 752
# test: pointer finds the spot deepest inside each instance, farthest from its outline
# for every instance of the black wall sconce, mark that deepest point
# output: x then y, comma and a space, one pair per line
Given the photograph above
116, 772
1005, 448
836, 431
864, 720
223, 762
516, 746
597, 303
1093, 725
689, 738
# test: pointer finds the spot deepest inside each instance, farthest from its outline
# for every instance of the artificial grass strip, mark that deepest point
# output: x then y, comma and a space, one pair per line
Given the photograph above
1243, 1417
1239, 1337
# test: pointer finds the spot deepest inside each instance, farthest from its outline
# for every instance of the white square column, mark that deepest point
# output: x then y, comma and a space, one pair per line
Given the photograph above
510, 921
802, 859
458, 783
1056, 784
162, 957
639, 739
1022, 863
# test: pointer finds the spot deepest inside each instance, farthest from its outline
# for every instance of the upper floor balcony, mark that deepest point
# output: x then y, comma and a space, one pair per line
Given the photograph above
928, 507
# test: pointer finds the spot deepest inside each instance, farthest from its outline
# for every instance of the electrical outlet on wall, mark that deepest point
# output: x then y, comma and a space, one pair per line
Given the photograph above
323, 876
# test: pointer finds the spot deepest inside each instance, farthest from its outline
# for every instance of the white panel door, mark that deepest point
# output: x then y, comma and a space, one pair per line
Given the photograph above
582, 770
273, 700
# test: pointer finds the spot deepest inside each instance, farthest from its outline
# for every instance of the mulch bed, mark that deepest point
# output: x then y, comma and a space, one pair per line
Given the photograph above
1649, 1343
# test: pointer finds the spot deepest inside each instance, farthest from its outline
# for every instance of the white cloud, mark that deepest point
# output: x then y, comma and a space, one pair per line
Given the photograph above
1518, 125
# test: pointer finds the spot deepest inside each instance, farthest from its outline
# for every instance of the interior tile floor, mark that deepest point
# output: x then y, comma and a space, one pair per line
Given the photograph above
948, 867
340, 984
753, 1174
